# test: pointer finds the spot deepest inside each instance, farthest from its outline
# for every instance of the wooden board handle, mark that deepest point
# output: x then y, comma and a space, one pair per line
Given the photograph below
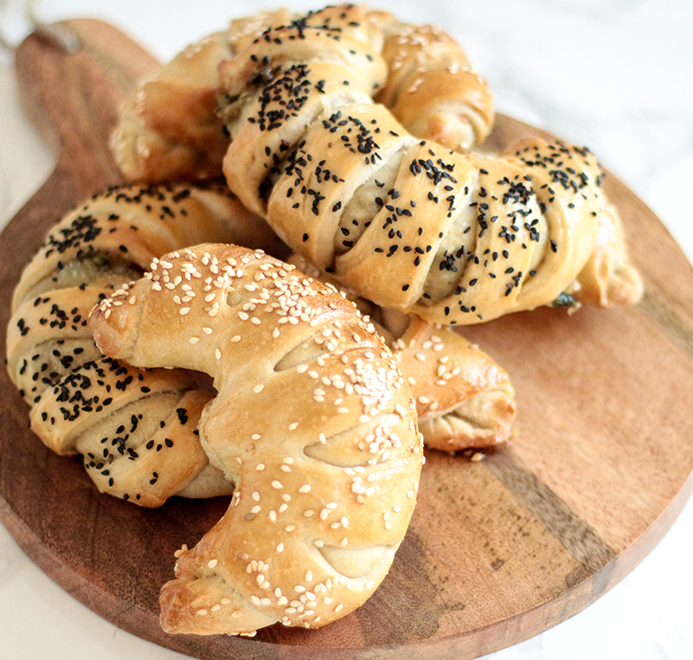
72, 78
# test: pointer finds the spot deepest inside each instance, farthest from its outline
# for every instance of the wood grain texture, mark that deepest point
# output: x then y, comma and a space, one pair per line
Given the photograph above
499, 550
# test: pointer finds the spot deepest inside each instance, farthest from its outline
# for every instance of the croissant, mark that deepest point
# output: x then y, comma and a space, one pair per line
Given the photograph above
463, 398
407, 223
169, 129
136, 429
431, 87
313, 423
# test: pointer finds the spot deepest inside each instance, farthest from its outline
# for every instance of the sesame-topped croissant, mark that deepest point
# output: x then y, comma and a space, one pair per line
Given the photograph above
312, 421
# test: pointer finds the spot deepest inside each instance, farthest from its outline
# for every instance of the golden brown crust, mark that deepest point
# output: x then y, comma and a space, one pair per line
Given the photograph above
169, 129
453, 238
136, 429
463, 398
431, 88
407, 223
325, 483
609, 277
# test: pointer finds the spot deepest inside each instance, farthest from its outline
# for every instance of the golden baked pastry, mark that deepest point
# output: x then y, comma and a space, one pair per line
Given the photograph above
169, 128
313, 423
136, 429
464, 399
407, 223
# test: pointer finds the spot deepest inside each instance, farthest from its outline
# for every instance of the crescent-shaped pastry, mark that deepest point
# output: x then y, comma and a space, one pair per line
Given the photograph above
407, 223
312, 422
169, 128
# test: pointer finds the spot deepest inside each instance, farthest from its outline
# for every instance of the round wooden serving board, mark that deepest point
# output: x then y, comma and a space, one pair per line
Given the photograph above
498, 550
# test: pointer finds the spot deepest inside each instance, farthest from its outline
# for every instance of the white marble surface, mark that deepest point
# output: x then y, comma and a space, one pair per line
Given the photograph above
616, 75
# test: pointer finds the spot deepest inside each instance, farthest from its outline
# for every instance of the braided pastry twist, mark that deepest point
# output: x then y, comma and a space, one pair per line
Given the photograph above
405, 222
169, 129
135, 428
325, 482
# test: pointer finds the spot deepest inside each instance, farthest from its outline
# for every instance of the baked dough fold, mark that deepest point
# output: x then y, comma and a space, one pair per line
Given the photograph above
408, 223
313, 423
